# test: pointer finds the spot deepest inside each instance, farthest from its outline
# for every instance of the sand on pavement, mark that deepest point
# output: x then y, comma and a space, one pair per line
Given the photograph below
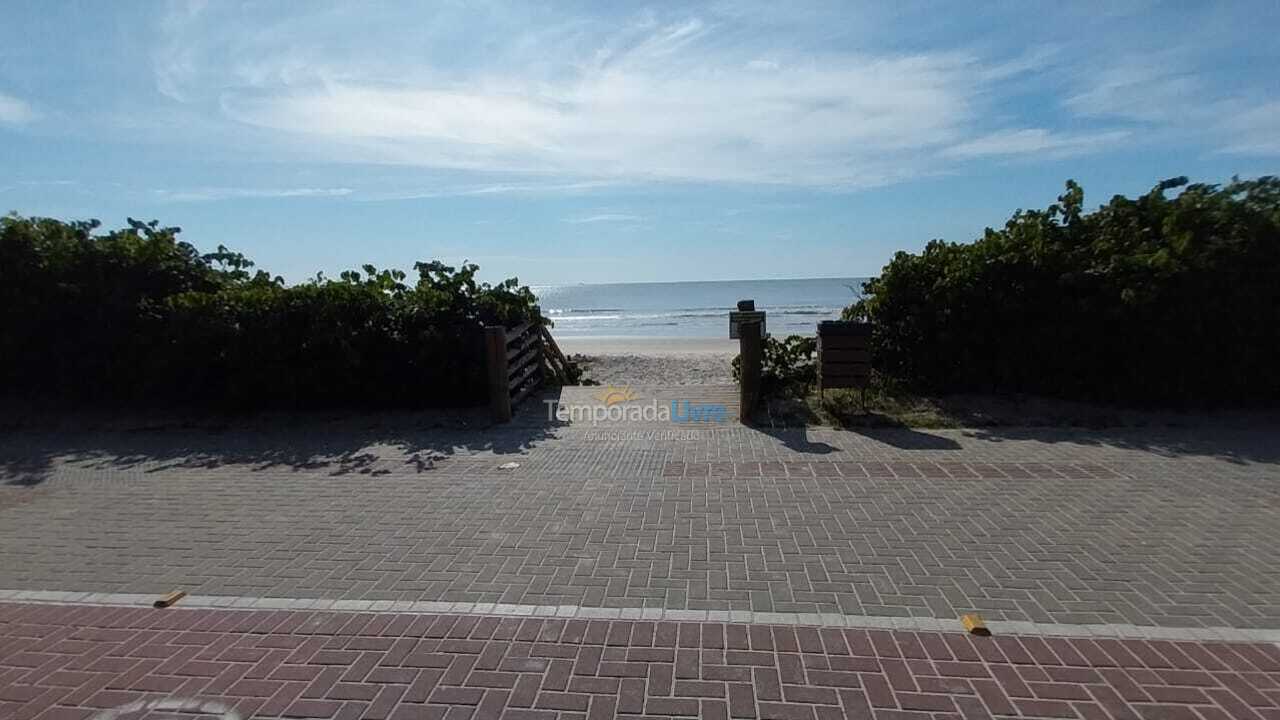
653, 361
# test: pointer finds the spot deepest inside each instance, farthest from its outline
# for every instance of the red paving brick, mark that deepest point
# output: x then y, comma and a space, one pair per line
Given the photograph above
73, 662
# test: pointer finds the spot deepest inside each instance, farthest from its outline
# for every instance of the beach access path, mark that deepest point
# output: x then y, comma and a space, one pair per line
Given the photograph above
389, 569
653, 361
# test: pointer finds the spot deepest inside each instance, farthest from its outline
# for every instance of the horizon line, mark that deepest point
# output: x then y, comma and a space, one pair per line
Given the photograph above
672, 282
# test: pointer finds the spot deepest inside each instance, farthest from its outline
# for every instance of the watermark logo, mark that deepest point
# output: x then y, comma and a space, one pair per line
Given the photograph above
623, 404
687, 411
611, 395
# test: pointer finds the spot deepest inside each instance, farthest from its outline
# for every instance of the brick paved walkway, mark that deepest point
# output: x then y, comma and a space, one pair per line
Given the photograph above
1153, 528
70, 662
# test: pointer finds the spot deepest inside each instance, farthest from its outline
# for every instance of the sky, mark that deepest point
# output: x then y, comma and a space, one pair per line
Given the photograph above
615, 142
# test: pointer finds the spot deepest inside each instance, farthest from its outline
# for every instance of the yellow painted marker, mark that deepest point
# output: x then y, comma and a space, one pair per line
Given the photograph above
173, 597
974, 625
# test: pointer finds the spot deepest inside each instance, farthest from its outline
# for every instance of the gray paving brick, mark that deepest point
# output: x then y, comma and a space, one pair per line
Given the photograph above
1143, 527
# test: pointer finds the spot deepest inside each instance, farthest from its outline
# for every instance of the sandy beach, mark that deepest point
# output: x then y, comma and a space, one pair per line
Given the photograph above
653, 361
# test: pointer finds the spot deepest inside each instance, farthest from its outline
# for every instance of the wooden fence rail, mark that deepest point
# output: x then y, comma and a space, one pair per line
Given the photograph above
519, 360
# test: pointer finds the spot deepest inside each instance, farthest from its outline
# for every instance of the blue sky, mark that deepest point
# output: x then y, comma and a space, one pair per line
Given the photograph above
598, 142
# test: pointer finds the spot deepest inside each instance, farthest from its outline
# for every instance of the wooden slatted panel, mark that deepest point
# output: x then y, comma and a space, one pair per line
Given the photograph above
525, 391
843, 328
522, 345
519, 369
526, 361
531, 356
514, 333
556, 361
846, 370
524, 374
860, 355
844, 342
831, 382
844, 355
520, 361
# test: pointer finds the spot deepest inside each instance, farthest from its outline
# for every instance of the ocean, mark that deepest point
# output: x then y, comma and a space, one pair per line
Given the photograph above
692, 309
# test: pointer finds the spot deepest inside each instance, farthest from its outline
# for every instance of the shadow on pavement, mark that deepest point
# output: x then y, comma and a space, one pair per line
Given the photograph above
1253, 442
797, 439
905, 438
1237, 438
880, 428
339, 443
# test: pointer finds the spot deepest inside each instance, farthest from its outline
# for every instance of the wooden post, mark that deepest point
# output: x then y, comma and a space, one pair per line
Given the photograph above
750, 353
495, 350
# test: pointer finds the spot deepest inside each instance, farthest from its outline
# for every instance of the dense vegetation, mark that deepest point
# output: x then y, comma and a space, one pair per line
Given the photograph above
137, 317
786, 366
1158, 299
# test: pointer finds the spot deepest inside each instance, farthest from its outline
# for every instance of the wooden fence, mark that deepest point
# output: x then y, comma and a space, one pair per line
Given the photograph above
844, 356
520, 359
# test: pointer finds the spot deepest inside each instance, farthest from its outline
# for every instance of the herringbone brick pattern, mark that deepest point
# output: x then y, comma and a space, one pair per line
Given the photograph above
1066, 528
70, 662
901, 470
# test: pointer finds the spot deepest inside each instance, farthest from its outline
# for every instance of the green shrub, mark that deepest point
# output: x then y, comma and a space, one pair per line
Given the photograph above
1154, 299
786, 366
137, 317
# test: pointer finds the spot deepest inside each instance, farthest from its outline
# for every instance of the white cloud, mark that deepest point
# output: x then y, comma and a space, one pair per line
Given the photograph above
845, 121
711, 94
507, 188
61, 184
676, 98
15, 111
1168, 96
231, 193
1254, 131
1141, 90
1036, 141
604, 218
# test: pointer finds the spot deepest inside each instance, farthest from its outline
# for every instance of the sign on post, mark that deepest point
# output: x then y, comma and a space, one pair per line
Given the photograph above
737, 317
